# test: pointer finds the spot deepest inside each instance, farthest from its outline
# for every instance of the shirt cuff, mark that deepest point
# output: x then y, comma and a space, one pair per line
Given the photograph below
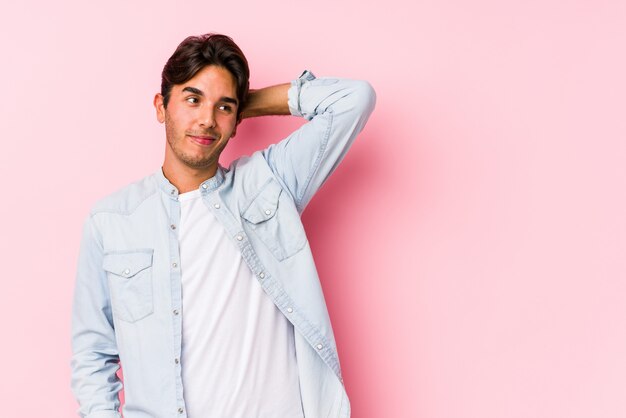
104, 414
294, 94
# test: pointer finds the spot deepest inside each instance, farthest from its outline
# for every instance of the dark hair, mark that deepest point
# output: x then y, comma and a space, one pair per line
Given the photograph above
195, 53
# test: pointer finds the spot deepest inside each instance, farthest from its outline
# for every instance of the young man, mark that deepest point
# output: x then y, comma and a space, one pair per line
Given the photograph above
198, 279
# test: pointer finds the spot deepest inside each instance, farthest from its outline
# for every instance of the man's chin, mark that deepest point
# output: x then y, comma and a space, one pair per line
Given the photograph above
195, 162
201, 165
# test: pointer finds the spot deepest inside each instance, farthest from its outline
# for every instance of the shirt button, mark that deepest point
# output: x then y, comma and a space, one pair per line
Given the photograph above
319, 346
290, 310
180, 410
126, 272
176, 361
173, 226
204, 186
174, 265
267, 212
239, 237
175, 311
216, 206
262, 275
173, 191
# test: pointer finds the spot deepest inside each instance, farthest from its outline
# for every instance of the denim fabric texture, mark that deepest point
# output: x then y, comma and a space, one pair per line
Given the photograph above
127, 301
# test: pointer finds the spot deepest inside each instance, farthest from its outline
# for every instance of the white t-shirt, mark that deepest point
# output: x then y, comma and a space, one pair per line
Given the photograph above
238, 354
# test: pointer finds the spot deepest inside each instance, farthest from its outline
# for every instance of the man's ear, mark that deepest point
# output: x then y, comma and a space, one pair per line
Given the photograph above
239, 119
159, 107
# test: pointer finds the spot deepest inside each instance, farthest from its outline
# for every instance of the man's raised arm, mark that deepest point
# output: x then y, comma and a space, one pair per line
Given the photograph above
337, 110
267, 101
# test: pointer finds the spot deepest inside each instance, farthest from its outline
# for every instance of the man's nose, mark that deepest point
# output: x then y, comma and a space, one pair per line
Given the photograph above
207, 119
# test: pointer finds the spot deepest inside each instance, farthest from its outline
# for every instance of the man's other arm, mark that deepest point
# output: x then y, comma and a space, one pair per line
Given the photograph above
337, 110
95, 358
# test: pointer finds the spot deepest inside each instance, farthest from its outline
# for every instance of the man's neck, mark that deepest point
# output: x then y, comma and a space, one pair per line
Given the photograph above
185, 178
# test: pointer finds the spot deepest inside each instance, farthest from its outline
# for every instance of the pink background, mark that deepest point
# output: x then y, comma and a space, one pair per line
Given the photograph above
471, 246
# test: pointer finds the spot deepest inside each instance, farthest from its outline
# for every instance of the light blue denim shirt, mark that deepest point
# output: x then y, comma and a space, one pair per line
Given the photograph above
127, 301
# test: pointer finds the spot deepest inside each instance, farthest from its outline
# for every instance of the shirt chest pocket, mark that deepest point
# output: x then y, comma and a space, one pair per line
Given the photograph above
130, 283
273, 217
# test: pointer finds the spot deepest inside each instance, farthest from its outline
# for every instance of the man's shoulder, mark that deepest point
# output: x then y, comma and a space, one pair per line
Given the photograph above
248, 166
252, 173
125, 200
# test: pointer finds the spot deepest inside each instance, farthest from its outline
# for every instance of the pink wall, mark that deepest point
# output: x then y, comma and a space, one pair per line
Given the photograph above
471, 246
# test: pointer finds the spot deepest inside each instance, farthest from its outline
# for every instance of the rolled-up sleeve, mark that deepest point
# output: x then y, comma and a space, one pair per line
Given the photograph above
336, 110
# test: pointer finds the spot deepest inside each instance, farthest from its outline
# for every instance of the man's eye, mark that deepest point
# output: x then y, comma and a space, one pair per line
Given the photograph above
225, 108
192, 100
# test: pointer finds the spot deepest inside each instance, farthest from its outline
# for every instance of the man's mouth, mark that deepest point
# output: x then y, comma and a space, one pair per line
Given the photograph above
202, 139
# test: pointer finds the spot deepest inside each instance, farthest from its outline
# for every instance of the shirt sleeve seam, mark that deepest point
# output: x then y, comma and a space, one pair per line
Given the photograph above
318, 161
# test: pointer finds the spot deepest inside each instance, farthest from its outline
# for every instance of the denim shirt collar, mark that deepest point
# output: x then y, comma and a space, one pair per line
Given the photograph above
206, 186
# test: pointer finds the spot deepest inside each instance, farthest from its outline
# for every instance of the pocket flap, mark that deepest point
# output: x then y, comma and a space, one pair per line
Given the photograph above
127, 264
264, 206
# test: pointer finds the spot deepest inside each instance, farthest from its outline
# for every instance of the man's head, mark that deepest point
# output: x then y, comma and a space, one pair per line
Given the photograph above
197, 52
204, 87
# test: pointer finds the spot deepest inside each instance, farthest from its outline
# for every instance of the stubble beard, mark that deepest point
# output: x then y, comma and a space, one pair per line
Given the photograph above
188, 160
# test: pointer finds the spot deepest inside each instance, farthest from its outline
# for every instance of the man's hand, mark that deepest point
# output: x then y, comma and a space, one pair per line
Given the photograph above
267, 101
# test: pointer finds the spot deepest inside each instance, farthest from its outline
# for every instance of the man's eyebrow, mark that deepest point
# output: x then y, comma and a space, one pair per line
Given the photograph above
194, 90
199, 92
229, 100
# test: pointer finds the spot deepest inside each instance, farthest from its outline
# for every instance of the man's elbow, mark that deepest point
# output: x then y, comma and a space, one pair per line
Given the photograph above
364, 97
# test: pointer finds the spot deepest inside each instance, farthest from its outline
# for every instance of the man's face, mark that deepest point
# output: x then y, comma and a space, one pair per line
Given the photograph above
200, 118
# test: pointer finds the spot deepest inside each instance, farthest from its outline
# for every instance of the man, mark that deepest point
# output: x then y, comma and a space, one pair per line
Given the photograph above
198, 279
